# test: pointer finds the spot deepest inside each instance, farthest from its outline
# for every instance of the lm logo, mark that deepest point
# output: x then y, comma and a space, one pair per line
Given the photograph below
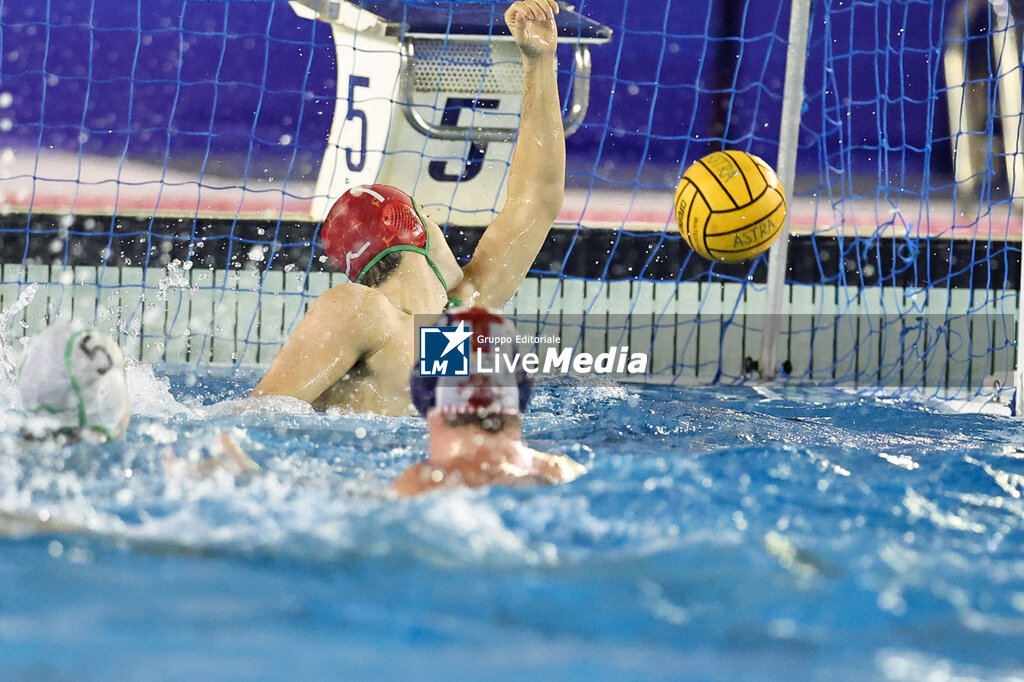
444, 351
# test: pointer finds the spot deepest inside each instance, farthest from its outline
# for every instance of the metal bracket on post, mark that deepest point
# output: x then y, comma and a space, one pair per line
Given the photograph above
342, 14
577, 108
789, 131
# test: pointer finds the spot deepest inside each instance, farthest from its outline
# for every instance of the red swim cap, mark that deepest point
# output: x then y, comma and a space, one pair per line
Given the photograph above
368, 222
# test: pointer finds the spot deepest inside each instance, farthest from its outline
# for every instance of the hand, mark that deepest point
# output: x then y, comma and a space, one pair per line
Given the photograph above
532, 23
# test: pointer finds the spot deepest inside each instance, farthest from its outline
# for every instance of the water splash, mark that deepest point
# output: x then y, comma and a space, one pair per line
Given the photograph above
695, 500
176, 278
8, 361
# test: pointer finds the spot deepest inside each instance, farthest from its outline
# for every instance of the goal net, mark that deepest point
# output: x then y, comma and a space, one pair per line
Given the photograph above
164, 167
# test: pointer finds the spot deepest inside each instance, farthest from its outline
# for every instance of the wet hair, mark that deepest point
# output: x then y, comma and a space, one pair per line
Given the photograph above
382, 269
491, 422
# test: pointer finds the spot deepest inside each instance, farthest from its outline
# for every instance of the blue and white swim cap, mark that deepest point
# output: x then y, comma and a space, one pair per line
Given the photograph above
72, 377
503, 391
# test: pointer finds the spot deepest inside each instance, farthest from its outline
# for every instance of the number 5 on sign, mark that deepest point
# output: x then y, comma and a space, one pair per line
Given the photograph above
368, 75
477, 150
413, 132
356, 157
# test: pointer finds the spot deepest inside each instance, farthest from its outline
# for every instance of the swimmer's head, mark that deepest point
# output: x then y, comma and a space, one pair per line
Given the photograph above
367, 224
502, 392
71, 379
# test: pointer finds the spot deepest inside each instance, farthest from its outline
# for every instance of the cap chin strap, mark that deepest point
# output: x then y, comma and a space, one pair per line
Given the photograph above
425, 252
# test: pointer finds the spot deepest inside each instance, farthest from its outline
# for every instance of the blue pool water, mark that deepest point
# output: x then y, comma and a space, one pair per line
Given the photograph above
720, 534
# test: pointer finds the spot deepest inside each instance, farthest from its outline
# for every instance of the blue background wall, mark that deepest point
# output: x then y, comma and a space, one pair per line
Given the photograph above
248, 82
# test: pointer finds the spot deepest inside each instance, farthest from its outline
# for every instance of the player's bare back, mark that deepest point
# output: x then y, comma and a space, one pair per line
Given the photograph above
355, 346
372, 384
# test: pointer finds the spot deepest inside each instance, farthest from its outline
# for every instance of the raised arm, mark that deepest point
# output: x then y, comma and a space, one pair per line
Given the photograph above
342, 325
536, 182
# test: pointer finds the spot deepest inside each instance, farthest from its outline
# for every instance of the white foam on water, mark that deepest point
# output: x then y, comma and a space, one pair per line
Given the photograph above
462, 526
322, 503
8, 354
306, 519
149, 394
902, 665
257, 405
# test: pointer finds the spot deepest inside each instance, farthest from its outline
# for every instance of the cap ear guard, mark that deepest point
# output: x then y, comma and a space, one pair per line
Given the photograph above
525, 388
423, 390
404, 223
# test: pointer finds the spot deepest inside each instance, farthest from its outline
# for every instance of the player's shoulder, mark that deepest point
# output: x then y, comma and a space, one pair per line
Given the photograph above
358, 299
414, 480
352, 294
356, 307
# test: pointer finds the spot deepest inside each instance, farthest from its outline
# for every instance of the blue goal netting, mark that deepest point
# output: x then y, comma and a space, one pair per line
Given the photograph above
164, 166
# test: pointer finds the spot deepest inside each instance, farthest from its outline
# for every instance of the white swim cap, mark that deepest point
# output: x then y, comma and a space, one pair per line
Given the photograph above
72, 377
